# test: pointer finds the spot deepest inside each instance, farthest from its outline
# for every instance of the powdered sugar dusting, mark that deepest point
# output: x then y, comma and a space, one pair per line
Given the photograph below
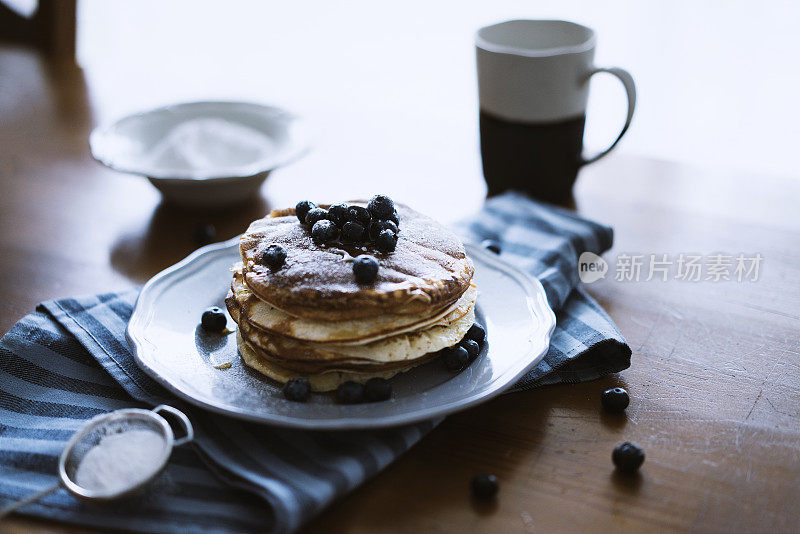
120, 461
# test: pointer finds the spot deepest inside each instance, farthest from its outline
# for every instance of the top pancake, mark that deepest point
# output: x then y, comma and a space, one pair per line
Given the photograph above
428, 270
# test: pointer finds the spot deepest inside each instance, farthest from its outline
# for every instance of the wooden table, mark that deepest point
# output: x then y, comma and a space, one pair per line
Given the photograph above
715, 376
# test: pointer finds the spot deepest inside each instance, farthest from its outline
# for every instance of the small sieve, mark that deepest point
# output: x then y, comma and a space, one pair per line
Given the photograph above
100, 427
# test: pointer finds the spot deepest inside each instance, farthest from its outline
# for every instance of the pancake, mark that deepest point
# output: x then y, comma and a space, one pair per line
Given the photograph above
304, 368
428, 271
321, 382
264, 316
400, 348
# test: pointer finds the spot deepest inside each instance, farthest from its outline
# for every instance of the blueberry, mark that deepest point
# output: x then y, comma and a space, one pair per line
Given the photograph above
484, 486
349, 393
377, 389
394, 219
476, 333
378, 226
455, 358
316, 214
381, 207
297, 389
359, 214
352, 232
615, 400
213, 320
365, 268
324, 231
386, 241
338, 214
203, 234
302, 209
273, 257
494, 246
471, 347
628, 457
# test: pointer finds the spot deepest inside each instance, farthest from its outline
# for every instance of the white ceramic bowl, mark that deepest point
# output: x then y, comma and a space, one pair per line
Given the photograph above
203, 154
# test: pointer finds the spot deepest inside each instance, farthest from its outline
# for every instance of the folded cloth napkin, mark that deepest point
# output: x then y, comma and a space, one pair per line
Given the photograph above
69, 361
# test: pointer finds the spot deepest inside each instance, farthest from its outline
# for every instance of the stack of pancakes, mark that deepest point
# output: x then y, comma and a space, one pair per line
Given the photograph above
311, 318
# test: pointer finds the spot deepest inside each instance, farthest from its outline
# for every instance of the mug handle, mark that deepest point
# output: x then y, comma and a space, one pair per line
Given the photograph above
630, 89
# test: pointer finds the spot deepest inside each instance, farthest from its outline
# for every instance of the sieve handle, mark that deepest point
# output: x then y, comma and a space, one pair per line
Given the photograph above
184, 421
28, 500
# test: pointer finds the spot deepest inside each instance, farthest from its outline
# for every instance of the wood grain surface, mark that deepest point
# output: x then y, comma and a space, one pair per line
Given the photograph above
715, 376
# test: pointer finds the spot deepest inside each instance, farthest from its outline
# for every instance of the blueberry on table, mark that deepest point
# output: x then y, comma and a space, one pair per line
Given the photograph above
203, 234
377, 389
349, 393
365, 268
274, 256
359, 214
316, 214
494, 246
484, 486
471, 347
455, 358
338, 214
476, 333
615, 400
381, 207
297, 389
213, 320
324, 232
302, 208
386, 241
627, 457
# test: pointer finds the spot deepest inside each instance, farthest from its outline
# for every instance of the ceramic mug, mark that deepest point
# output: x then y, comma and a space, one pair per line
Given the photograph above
533, 84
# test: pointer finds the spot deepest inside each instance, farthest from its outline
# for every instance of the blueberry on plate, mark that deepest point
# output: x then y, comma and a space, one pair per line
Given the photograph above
353, 232
274, 256
315, 215
349, 393
338, 214
377, 389
386, 241
359, 214
455, 358
471, 347
627, 457
302, 208
381, 207
213, 320
494, 246
297, 389
365, 268
324, 232
476, 333
484, 486
615, 400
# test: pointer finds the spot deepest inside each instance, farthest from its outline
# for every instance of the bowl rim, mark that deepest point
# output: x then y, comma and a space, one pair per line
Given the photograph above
298, 143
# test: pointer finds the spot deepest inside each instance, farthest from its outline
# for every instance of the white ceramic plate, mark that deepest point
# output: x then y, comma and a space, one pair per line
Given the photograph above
170, 347
203, 154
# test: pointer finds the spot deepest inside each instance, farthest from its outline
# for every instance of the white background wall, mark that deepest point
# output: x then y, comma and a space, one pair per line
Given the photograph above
718, 80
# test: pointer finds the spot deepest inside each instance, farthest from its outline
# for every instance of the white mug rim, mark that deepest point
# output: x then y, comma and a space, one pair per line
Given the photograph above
482, 43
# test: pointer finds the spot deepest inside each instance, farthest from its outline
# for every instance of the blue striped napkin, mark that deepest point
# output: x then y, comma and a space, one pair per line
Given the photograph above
69, 361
